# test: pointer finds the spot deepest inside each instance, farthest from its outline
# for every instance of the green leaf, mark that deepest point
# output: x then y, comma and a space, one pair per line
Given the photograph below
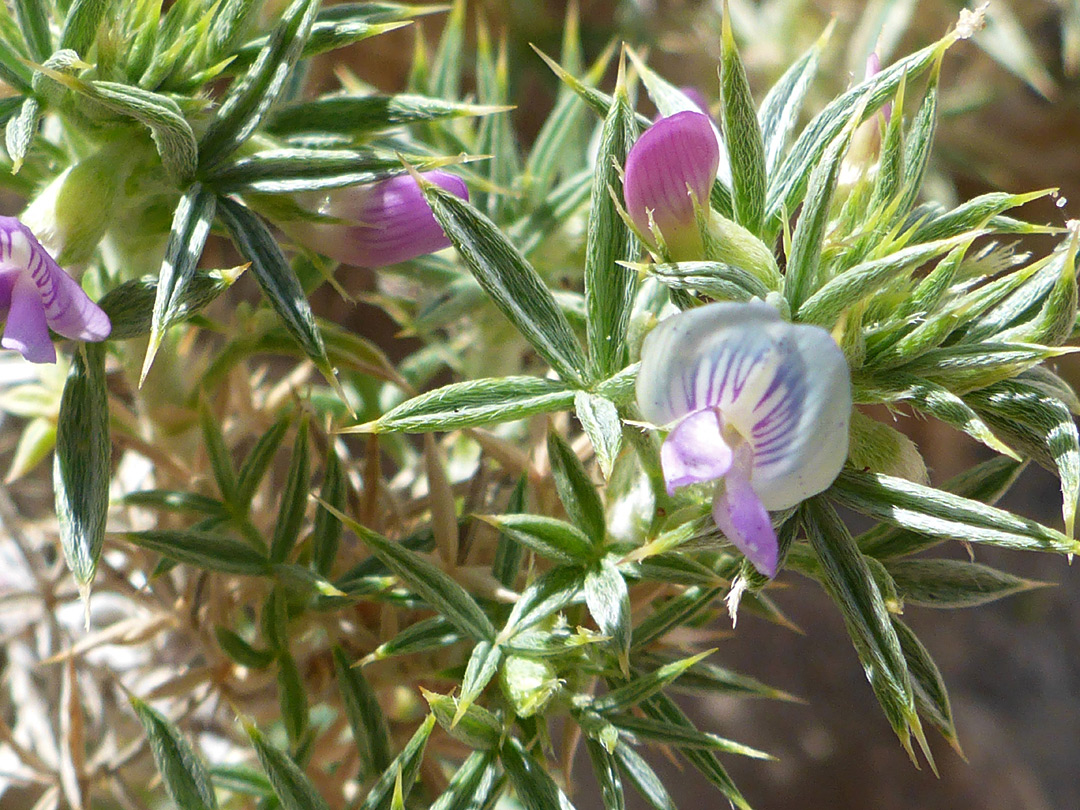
130, 305
802, 266
941, 514
849, 582
201, 549
187, 236
953, 583
427, 634
446, 67
780, 108
576, 491
661, 707
473, 725
554, 539
535, 788
920, 139
251, 96
680, 736
712, 679
182, 772
967, 216
472, 403
472, 786
407, 764
172, 134
358, 115
20, 131
931, 697
482, 667
291, 698
600, 419
292, 787
676, 611
984, 482
369, 729
644, 778
292, 170
608, 601
609, 286
1041, 427
607, 775
257, 463
326, 35
510, 281
431, 584
507, 560
33, 18
220, 459
241, 651
84, 17
787, 186
276, 278
294, 499
81, 466
326, 533
861, 281
551, 592
714, 279
644, 686
742, 134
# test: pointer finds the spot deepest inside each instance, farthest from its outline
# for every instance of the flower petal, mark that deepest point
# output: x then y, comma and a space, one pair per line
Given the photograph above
742, 517
695, 451
704, 357
785, 388
26, 330
674, 157
393, 222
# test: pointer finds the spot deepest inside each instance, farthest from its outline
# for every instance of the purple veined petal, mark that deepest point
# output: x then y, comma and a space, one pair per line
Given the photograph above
801, 424
26, 330
741, 516
7, 284
784, 388
704, 357
673, 158
695, 451
68, 310
394, 222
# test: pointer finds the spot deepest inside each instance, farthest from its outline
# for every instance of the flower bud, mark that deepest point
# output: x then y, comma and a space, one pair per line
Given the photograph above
384, 223
670, 167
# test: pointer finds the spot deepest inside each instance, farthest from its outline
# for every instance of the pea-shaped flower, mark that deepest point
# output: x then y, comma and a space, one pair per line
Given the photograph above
757, 404
383, 223
36, 296
673, 163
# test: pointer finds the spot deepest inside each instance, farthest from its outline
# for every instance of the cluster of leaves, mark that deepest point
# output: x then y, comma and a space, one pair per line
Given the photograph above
520, 586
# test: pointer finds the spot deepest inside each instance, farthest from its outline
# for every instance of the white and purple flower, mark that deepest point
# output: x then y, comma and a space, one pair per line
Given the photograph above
757, 404
385, 222
36, 295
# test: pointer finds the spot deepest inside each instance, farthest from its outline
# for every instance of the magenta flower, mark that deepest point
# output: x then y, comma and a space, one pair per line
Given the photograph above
670, 166
36, 296
387, 222
759, 405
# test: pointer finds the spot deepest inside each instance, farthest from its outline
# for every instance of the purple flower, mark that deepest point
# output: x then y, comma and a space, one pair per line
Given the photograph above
388, 222
759, 405
670, 166
36, 296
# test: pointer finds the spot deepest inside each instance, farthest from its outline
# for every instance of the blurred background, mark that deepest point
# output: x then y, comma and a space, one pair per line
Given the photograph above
1010, 121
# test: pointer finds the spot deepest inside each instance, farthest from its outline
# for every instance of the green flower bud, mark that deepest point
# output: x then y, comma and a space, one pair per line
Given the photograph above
528, 684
